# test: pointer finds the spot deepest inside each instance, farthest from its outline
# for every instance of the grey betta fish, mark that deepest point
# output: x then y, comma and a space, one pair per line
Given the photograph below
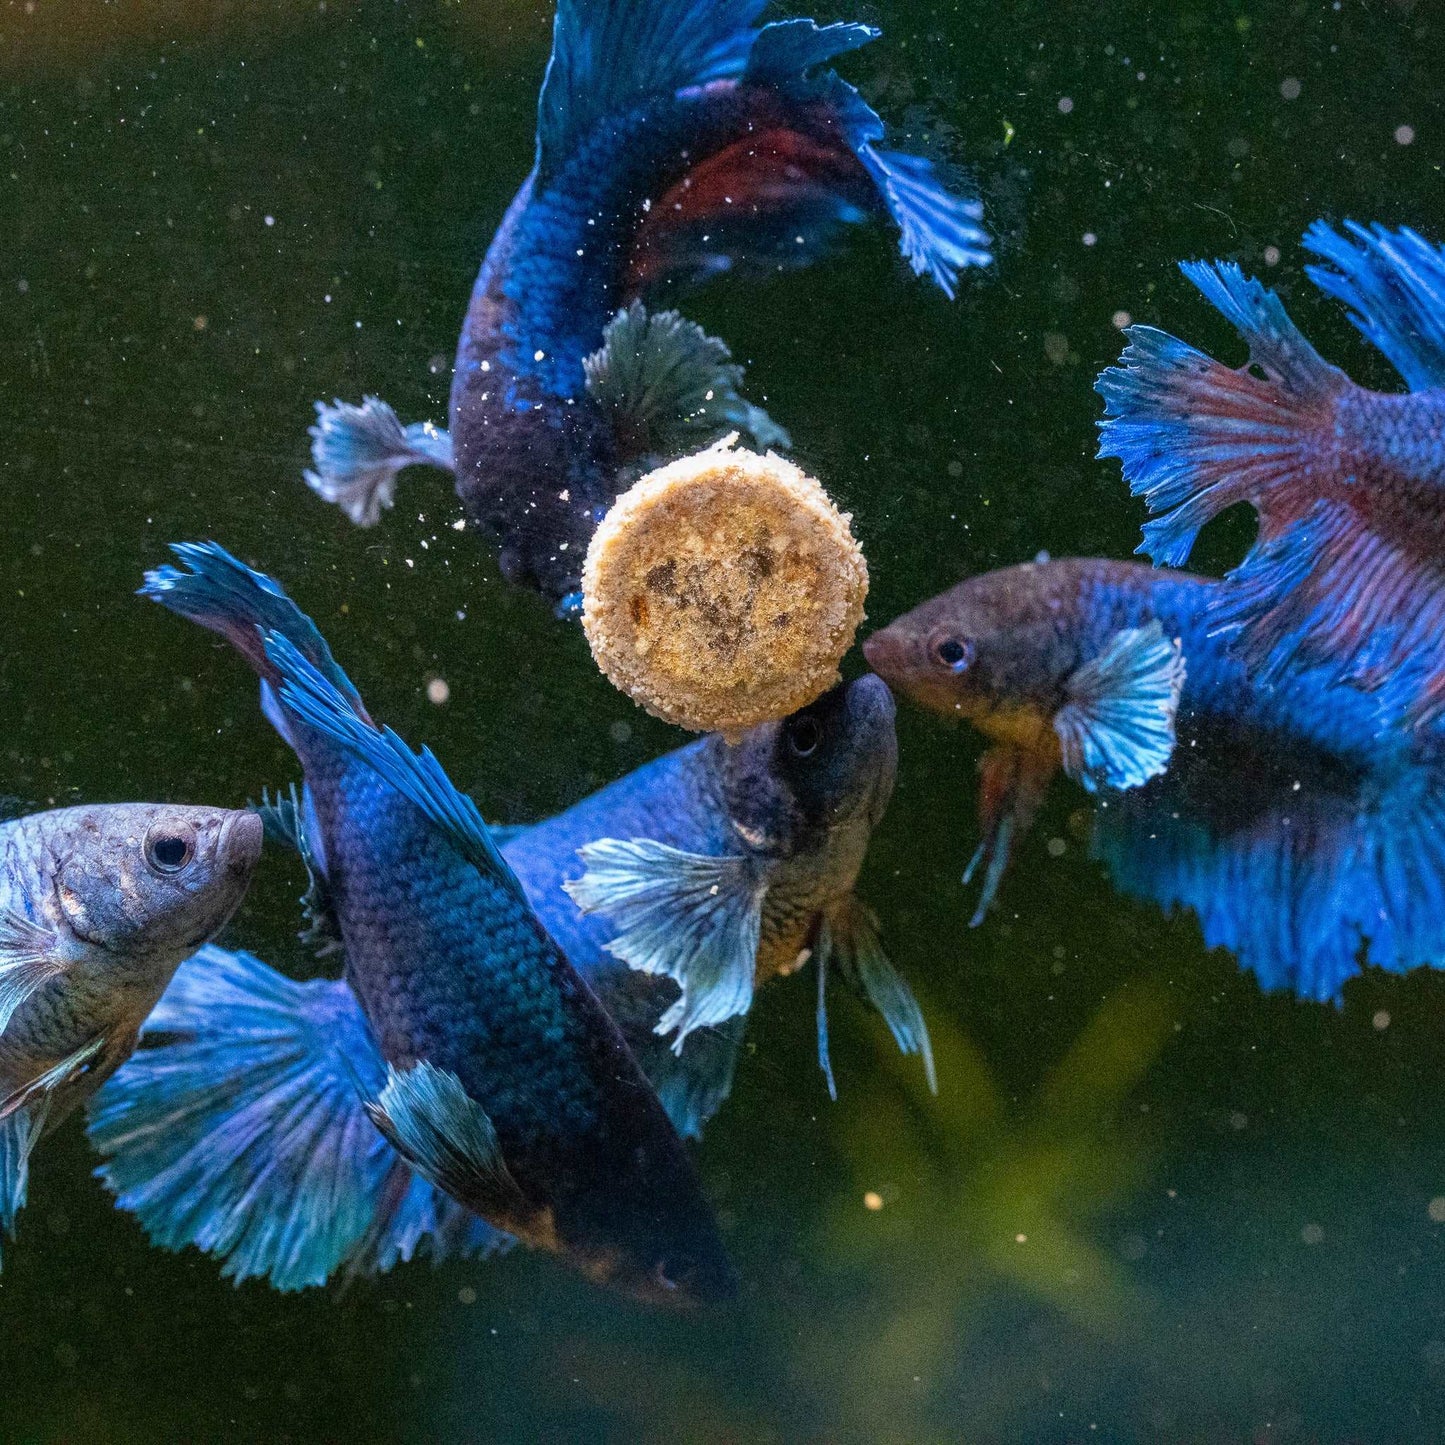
99, 906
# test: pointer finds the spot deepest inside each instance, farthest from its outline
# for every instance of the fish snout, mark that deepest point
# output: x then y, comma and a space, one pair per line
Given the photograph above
240, 843
887, 654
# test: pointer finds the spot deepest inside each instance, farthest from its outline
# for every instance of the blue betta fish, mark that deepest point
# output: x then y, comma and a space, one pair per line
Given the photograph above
675, 141
98, 906
478, 1054
1348, 569
208, 1112
1303, 839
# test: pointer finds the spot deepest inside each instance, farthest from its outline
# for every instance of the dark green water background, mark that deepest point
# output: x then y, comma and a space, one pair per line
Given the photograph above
211, 215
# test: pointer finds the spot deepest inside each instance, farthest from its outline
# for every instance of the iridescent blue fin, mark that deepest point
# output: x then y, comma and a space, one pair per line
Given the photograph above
29, 958
693, 1084
226, 596
607, 55
446, 1136
18, 1136
787, 49
685, 916
1195, 436
1116, 730
1394, 284
669, 385
310, 696
1012, 785
239, 1125
356, 452
848, 941
1304, 871
285, 822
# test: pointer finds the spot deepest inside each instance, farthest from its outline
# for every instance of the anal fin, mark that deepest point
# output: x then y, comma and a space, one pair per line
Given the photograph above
1012, 785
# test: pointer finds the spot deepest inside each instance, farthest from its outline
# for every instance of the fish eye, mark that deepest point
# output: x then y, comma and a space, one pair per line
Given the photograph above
954, 653
804, 735
169, 847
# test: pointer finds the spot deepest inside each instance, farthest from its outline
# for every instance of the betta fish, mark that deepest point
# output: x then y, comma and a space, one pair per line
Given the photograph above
703, 875
676, 140
98, 906
205, 1107
1303, 840
1348, 569
479, 1071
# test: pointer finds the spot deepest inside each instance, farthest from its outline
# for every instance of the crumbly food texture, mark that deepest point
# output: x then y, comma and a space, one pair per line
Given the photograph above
722, 590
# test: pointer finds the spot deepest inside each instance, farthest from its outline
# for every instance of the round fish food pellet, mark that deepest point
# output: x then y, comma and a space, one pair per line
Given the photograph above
722, 590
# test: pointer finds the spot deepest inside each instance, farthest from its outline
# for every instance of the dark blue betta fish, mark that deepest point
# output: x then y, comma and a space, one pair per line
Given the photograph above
203, 1131
1302, 839
1348, 570
675, 140
491, 1070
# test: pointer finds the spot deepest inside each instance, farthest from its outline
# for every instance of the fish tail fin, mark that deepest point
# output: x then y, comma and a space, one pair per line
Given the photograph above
356, 452
807, 163
240, 1125
214, 589
1394, 285
1303, 879
1195, 436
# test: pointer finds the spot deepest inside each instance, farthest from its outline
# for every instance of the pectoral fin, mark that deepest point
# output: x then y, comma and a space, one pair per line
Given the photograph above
445, 1135
668, 384
44, 1085
29, 957
848, 941
18, 1136
686, 916
285, 822
1117, 728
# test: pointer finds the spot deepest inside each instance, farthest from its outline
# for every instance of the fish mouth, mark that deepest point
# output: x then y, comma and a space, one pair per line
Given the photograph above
240, 843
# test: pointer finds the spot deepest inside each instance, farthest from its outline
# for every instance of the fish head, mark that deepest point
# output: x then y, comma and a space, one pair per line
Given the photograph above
786, 785
995, 650
147, 883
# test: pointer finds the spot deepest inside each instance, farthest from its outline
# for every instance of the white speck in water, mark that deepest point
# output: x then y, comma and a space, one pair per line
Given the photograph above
460, 525
1436, 1209
1289, 87
1381, 1019
1066, 104
1404, 134
438, 692
1311, 1234
327, 298
873, 1200
467, 1295
1057, 847
539, 355
1121, 319
1021, 1239
1090, 239
270, 220
1271, 255
486, 366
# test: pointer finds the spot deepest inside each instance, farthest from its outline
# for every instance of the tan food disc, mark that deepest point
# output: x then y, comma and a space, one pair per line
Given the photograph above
722, 590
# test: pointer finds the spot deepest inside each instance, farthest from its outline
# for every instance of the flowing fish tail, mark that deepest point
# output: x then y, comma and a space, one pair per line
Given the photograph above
239, 1127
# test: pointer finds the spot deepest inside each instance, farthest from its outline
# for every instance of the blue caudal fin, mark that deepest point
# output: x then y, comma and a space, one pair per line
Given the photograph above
1302, 876
214, 589
1195, 436
607, 55
240, 1127
356, 452
308, 694
1116, 727
1394, 284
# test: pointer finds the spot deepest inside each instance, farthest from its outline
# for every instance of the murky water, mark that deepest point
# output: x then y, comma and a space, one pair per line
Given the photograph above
1149, 1202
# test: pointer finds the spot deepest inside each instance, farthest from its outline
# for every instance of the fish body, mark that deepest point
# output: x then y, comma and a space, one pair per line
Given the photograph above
1347, 572
99, 904
506, 1086
676, 141
1301, 835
